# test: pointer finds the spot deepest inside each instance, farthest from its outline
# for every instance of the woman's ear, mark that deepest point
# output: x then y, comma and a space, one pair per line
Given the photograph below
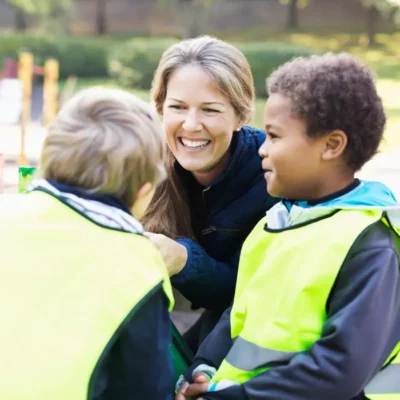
239, 125
335, 145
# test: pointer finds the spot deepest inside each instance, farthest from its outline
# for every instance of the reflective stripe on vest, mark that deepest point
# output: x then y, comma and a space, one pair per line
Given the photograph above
67, 286
274, 316
249, 357
386, 385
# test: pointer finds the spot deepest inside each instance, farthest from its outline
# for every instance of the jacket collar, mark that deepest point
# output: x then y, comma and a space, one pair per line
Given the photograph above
102, 214
107, 199
361, 195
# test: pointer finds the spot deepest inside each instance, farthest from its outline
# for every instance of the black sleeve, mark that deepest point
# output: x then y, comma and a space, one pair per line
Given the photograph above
139, 365
215, 347
362, 329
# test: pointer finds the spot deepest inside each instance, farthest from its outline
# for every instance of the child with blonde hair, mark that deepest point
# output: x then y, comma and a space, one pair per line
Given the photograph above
84, 294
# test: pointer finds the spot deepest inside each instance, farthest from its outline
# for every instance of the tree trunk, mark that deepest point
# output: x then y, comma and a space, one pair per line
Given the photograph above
195, 16
20, 21
101, 17
292, 20
372, 19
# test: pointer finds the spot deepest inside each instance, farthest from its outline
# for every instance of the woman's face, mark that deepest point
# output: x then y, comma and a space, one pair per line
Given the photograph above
199, 121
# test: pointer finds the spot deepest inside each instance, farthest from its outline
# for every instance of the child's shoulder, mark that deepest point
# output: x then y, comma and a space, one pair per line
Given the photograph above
380, 235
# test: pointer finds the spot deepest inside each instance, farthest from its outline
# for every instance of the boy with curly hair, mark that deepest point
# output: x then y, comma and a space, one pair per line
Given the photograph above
316, 313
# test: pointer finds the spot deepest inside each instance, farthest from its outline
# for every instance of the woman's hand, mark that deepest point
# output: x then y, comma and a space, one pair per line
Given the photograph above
174, 254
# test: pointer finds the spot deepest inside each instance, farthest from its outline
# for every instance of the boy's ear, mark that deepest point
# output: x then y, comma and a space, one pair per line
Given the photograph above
143, 191
335, 145
142, 200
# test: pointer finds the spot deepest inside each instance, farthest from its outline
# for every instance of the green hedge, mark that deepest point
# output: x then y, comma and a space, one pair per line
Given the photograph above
133, 63
264, 58
77, 56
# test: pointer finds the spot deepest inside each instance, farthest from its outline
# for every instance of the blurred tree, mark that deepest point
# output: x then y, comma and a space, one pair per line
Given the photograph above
20, 21
194, 15
47, 10
375, 8
293, 6
101, 17
40, 7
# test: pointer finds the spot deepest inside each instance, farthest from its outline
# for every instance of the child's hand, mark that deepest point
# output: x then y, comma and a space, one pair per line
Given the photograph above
202, 385
189, 391
196, 389
181, 392
201, 376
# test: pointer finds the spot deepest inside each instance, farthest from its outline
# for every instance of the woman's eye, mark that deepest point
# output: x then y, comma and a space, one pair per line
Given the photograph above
176, 107
210, 110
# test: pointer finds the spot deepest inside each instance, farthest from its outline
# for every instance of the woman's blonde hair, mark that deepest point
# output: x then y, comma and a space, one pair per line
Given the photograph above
105, 141
226, 65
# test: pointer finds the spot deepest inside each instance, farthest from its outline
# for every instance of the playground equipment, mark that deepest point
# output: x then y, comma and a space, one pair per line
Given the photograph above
50, 94
24, 70
1, 172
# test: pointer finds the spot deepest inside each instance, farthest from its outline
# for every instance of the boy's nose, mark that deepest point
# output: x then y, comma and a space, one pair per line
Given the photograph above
263, 150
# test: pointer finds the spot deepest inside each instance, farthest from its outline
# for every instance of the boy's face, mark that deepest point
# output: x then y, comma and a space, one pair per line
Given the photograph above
291, 159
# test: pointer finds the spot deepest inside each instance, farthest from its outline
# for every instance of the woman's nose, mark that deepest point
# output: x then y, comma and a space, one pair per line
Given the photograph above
192, 122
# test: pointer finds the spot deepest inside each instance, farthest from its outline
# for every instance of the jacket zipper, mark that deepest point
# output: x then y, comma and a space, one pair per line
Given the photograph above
213, 228
204, 199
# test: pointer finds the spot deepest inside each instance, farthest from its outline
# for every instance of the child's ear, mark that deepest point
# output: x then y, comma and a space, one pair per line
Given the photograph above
142, 200
335, 145
143, 191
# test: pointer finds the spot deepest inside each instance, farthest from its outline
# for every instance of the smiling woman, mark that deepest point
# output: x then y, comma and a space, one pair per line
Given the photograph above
199, 122
215, 192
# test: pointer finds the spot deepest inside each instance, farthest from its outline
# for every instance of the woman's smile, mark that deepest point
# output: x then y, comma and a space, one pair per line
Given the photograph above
194, 145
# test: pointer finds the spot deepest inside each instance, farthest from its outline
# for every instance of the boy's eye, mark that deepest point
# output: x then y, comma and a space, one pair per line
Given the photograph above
271, 135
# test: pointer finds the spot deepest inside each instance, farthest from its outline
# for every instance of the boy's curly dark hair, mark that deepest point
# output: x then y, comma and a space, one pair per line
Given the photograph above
334, 91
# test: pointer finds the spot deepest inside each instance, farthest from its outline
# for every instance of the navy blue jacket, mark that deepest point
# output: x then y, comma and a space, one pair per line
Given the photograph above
222, 214
138, 365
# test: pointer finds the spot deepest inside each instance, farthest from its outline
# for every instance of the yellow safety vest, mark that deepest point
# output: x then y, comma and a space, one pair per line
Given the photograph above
297, 294
67, 288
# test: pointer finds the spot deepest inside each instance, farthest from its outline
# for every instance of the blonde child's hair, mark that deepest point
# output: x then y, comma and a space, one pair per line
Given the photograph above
105, 141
